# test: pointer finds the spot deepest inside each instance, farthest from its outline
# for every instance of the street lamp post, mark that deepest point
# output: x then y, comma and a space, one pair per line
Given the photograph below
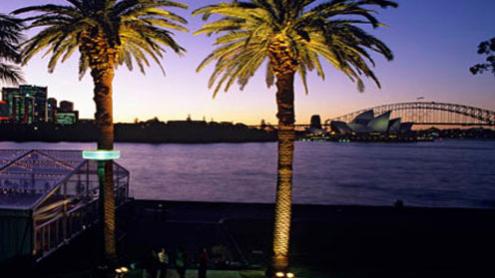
104, 159
101, 156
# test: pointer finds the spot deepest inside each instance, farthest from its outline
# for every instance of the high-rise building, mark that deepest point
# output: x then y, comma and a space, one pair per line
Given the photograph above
315, 122
40, 95
21, 107
27, 104
4, 111
52, 110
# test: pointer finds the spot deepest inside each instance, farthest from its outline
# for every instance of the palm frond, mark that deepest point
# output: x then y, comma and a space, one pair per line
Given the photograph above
135, 30
309, 31
10, 37
10, 74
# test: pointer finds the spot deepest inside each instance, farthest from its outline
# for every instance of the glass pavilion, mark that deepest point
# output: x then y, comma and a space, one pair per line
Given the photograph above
48, 197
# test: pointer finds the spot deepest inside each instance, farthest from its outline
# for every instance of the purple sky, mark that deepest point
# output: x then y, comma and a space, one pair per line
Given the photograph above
434, 41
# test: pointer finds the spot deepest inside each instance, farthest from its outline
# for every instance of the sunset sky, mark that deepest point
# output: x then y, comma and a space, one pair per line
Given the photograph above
434, 41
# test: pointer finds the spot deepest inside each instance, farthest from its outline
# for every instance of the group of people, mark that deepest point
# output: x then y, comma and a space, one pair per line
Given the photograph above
158, 264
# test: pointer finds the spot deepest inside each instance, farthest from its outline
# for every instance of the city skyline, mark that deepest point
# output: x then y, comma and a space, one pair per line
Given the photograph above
434, 44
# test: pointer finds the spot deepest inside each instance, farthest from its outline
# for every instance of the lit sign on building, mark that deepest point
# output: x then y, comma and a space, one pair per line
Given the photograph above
66, 118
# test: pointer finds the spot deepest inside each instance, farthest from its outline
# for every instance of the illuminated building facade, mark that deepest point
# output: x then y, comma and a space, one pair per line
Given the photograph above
66, 115
27, 104
368, 123
4, 111
52, 109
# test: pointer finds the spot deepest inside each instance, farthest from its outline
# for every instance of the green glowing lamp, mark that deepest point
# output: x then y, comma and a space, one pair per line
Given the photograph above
101, 155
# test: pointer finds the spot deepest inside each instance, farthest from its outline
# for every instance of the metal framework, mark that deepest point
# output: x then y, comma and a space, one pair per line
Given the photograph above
430, 113
48, 197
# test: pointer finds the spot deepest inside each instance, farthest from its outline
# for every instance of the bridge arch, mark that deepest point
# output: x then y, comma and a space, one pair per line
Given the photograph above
430, 113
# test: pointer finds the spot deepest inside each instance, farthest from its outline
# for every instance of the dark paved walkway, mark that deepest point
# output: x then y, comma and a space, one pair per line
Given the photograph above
327, 241
337, 240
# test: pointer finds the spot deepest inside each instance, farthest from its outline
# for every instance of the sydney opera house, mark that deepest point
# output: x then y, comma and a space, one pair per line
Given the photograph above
367, 123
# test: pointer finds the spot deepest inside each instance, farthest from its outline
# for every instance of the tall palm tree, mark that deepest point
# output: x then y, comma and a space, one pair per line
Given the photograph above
292, 35
107, 33
10, 37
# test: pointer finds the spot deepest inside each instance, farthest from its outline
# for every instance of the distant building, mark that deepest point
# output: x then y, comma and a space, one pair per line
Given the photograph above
366, 122
20, 107
4, 111
315, 128
66, 106
68, 118
27, 103
66, 115
52, 110
315, 122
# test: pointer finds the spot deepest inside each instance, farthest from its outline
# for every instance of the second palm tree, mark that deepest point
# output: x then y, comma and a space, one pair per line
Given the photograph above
292, 35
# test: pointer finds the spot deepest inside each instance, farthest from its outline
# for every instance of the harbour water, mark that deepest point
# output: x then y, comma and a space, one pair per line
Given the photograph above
438, 174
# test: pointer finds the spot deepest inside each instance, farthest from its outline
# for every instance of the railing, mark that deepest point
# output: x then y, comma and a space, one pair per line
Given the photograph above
59, 230
431, 112
57, 224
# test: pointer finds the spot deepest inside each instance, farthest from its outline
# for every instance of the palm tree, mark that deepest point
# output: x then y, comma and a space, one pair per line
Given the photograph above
107, 33
292, 35
10, 37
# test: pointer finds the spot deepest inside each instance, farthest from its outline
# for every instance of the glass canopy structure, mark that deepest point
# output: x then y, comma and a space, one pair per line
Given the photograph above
48, 197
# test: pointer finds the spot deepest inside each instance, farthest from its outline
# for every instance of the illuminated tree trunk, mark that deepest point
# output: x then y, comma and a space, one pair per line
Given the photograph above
103, 78
284, 65
286, 136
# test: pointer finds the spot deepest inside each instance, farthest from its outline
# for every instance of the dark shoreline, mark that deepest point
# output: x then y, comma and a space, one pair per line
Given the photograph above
252, 142
147, 132
202, 132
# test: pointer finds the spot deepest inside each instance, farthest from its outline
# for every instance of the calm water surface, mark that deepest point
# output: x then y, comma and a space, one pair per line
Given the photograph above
444, 173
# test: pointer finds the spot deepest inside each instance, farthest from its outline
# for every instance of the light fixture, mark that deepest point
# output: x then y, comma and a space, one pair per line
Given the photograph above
101, 155
285, 275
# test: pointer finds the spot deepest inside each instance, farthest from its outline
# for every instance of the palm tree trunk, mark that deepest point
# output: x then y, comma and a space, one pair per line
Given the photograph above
103, 79
286, 137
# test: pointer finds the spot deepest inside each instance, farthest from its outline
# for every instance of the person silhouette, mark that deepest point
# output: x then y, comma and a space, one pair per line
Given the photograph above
180, 262
203, 263
163, 261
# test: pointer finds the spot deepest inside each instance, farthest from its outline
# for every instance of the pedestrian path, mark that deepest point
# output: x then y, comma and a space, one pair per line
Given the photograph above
190, 273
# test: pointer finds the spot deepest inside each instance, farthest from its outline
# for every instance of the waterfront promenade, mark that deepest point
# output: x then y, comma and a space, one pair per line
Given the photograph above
328, 241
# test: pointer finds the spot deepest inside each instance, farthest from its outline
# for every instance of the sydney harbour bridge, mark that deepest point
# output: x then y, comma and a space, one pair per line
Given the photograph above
430, 114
